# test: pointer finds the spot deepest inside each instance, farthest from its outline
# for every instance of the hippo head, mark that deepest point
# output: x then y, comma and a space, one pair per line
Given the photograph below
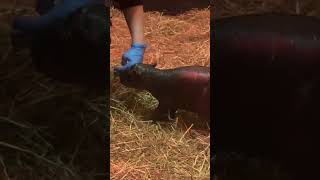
137, 75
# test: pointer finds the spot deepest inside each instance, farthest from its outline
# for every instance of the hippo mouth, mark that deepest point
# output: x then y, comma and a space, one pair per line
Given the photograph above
127, 79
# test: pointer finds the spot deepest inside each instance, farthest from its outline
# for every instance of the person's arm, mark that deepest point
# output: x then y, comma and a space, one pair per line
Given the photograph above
134, 15
135, 21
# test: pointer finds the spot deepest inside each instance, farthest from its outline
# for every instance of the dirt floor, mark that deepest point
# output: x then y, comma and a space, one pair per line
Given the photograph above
224, 8
139, 148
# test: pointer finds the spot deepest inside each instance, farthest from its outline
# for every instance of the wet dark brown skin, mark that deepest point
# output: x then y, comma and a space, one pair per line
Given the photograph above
185, 88
267, 86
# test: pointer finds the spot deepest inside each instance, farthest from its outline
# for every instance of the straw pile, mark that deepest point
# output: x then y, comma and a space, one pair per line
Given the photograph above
139, 148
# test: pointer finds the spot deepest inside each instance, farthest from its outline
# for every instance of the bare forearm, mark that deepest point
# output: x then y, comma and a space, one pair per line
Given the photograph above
135, 20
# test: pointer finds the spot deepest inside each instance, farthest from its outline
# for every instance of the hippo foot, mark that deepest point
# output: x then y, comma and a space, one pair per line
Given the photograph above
172, 114
161, 116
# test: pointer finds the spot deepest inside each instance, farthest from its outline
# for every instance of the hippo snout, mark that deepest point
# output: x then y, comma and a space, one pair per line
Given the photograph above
135, 76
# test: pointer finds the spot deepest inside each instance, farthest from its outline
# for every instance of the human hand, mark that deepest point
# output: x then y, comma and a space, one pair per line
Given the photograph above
133, 56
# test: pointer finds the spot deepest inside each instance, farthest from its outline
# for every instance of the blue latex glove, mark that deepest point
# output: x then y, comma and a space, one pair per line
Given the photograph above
133, 56
60, 11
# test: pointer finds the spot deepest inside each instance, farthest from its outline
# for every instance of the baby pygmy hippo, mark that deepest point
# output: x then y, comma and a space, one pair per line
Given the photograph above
186, 88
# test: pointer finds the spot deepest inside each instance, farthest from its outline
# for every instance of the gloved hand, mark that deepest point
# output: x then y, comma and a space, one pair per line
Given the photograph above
133, 56
60, 11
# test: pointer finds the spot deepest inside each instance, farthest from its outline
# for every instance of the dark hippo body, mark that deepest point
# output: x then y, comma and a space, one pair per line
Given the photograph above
185, 88
267, 87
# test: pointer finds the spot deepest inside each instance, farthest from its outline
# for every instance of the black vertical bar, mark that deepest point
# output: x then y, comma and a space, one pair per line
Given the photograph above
212, 113
107, 124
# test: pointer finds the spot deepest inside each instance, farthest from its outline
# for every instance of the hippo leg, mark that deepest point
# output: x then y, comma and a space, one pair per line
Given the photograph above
172, 114
163, 112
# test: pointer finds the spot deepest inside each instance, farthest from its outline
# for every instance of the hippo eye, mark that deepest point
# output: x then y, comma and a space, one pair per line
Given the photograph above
134, 72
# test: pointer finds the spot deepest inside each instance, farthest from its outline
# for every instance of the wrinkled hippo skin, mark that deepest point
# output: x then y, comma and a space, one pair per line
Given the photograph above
186, 88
